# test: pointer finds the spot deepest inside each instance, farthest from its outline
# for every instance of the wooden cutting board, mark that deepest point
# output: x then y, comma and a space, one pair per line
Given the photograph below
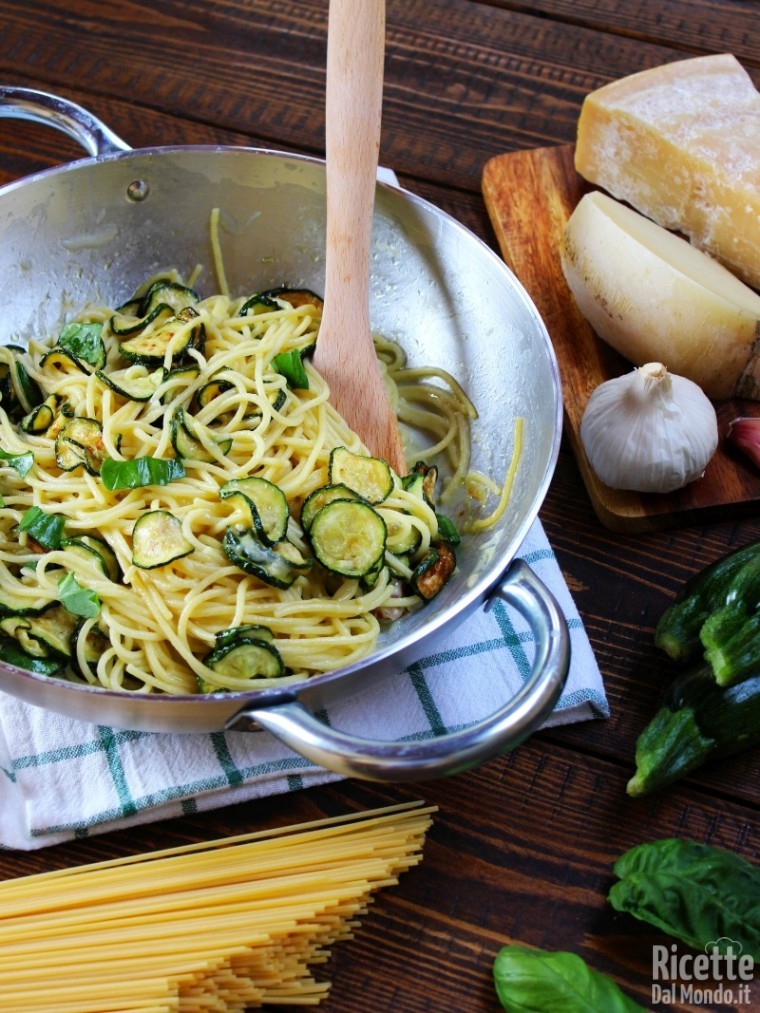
529, 196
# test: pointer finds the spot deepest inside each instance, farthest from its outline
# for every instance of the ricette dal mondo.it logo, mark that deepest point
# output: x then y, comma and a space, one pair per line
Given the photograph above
721, 976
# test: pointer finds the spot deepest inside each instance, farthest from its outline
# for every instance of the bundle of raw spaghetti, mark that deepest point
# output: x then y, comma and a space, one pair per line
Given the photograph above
226, 925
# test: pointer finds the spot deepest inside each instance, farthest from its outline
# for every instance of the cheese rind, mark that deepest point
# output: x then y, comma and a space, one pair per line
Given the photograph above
654, 298
681, 144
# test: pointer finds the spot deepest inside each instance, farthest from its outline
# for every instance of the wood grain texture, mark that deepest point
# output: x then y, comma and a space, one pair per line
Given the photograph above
472, 65
530, 195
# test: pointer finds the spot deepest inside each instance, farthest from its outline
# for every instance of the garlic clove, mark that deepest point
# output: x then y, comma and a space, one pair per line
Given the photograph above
649, 430
744, 433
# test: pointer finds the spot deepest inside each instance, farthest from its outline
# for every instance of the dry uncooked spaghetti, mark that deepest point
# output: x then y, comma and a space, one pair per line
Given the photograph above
161, 461
227, 925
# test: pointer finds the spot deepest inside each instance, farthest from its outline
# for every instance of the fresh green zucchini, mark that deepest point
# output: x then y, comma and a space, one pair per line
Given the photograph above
277, 565
41, 418
151, 346
210, 390
268, 506
699, 721
433, 571
678, 631
321, 497
348, 537
164, 292
135, 383
404, 538
297, 296
259, 303
249, 631
244, 658
186, 438
158, 539
12, 654
63, 415
47, 635
15, 605
80, 442
176, 379
95, 549
126, 326
368, 580
267, 301
163, 298
421, 481
371, 477
89, 641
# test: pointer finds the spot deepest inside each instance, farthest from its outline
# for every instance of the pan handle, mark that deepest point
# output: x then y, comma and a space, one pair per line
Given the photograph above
53, 111
376, 760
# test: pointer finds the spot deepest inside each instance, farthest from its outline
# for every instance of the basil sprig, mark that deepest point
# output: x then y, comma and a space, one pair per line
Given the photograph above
695, 892
535, 981
139, 472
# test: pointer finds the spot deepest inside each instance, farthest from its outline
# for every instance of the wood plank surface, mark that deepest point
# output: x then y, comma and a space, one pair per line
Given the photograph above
530, 195
521, 849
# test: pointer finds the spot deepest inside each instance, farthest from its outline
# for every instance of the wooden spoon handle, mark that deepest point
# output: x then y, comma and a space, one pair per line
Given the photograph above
353, 109
345, 354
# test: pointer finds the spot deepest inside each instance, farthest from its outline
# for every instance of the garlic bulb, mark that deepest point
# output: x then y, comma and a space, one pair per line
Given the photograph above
649, 430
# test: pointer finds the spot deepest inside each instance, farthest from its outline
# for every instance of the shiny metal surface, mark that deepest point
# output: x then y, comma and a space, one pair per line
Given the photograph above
94, 229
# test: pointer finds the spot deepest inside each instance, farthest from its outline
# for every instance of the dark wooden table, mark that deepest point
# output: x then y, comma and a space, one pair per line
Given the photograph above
522, 848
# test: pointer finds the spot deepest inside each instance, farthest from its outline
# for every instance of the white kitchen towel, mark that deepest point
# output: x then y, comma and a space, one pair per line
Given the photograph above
61, 779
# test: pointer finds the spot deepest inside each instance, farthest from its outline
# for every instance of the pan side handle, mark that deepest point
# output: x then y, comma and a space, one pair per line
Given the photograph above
53, 111
376, 760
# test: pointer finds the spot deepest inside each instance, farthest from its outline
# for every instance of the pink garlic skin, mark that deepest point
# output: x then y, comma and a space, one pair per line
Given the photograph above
744, 433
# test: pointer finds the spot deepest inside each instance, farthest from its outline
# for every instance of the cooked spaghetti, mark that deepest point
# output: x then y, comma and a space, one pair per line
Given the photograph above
227, 925
184, 511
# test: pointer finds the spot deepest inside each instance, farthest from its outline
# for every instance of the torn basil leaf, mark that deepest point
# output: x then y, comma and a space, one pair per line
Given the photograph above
695, 892
84, 342
536, 981
46, 529
139, 472
290, 365
20, 463
78, 600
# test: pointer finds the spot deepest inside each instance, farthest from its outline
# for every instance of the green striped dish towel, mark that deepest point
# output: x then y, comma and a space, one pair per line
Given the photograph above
61, 779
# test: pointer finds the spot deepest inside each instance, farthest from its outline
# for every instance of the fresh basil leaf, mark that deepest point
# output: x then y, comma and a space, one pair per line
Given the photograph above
139, 472
695, 892
290, 365
12, 654
21, 463
78, 600
84, 342
539, 981
44, 528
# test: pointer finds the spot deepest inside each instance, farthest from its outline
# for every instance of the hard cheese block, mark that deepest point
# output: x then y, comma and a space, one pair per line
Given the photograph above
681, 144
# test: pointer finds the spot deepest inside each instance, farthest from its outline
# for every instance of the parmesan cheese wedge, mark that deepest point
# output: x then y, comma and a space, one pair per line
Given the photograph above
654, 298
681, 144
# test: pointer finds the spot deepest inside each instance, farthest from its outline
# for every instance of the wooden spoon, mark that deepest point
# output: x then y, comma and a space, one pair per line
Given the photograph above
345, 354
